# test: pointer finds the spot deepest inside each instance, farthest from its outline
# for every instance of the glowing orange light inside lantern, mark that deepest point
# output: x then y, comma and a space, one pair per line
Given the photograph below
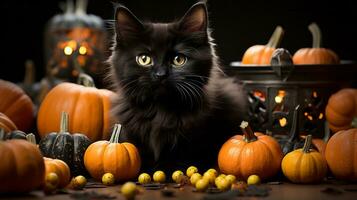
310, 117
321, 115
314, 94
305, 113
68, 50
82, 50
259, 94
280, 97
283, 122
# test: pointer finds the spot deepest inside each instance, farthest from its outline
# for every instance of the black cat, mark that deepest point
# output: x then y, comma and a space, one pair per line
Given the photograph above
175, 105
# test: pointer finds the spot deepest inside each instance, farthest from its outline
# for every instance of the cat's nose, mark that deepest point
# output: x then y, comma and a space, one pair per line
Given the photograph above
160, 74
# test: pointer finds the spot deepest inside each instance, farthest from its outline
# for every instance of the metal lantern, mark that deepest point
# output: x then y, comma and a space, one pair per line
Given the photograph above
274, 92
75, 42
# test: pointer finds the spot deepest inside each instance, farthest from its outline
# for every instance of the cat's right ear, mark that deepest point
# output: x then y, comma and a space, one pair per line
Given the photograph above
127, 25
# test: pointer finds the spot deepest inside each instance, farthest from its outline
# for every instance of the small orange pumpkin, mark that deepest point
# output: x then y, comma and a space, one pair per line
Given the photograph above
341, 154
252, 153
16, 105
60, 168
261, 54
22, 167
6, 123
341, 109
304, 165
316, 54
120, 159
88, 109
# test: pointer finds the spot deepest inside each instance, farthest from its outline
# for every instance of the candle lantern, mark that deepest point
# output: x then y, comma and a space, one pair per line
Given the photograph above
75, 42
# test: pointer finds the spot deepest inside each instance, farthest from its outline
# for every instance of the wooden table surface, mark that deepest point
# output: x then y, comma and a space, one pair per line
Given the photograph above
284, 190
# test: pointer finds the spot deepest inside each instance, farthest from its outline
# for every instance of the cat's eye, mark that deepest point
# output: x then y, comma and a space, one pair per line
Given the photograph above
179, 60
144, 60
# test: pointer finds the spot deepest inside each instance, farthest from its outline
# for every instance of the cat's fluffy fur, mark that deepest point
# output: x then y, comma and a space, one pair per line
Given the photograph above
184, 118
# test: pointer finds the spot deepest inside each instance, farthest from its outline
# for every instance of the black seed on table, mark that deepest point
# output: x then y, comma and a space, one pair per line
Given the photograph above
167, 192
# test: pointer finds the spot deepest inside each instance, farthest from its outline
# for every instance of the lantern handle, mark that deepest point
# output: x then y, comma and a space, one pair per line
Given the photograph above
81, 7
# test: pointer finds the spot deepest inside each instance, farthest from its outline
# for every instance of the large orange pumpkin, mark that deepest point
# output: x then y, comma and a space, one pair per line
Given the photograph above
304, 165
16, 105
87, 106
316, 54
120, 159
341, 154
22, 167
341, 109
261, 54
6, 123
252, 153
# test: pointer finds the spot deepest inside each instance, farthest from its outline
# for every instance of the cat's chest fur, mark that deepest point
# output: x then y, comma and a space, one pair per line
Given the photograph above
179, 138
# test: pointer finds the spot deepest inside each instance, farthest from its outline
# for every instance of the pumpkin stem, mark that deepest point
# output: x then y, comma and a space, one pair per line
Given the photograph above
114, 138
248, 132
64, 122
295, 128
31, 138
86, 80
316, 35
29, 73
307, 144
276, 37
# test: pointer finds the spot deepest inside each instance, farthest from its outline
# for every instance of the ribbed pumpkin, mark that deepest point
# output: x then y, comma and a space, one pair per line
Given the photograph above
341, 154
316, 54
304, 165
69, 147
341, 109
60, 168
261, 54
252, 153
6, 124
87, 106
16, 105
22, 166
120, 159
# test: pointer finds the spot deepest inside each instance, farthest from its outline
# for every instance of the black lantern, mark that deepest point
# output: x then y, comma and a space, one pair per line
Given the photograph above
75, 42
275, 90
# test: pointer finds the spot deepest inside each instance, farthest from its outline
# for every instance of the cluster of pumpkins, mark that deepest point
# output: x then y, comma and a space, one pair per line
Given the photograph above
73, 123
262, 54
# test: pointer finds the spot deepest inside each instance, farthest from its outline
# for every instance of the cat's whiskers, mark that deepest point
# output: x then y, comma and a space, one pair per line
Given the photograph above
185, 90
196, 94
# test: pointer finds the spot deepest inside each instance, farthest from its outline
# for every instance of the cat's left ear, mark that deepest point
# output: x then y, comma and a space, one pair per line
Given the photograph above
195, 19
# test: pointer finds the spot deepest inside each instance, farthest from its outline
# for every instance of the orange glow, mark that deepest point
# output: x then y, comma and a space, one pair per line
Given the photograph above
283, 122
280, 97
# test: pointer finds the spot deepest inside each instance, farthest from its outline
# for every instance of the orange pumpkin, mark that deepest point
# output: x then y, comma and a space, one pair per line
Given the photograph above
22, 167
60, 168
341, 154
316, 54
6, 123
304, 165
87, 106
261, 54
252, 153
341, 109
16, 105
120, 159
